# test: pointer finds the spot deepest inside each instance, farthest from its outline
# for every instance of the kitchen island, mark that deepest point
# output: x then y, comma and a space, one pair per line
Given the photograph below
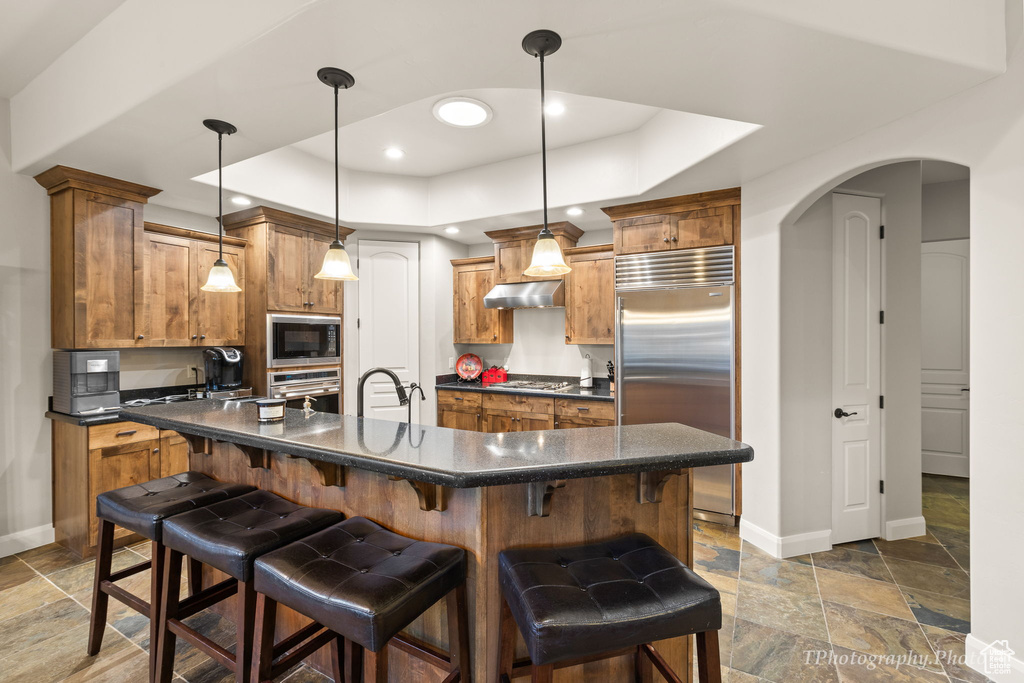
482, 492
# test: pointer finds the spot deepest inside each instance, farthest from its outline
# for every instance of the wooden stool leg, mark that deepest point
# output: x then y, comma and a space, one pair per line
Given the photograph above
458, 632
195, 576
709, 668
643, 669
98, 617
156, 585
353, 662
543, 674
378, 664
244, 627
169, 596
263, 653
507, 631
338, 658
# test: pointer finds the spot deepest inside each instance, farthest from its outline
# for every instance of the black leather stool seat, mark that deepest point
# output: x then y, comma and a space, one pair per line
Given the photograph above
231, 534
584, 600
143, 507
360, 580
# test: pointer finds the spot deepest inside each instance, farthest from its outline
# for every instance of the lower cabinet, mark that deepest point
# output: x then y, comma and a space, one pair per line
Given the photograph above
88, 461
497, 413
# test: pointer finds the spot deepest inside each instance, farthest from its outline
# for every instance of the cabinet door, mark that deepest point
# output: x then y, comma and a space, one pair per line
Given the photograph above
577, 422
325, 296
457, 419
497, 421
534, 422
703, 228
474, 324
163, 308
509, 262
590, 299
108, 250
173, 453
220, 316
643, 234
115, 467
287, 266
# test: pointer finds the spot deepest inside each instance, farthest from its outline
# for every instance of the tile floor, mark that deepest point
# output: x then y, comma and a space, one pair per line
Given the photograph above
907, 598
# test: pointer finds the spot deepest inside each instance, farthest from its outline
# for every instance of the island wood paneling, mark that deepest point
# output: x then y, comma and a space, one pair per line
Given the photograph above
484, 521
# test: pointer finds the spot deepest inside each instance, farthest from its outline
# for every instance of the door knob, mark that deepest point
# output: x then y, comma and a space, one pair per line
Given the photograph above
839, 413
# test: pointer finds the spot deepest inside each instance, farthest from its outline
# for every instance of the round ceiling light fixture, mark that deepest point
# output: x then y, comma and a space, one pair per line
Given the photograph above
241, 201
574, 211
394, 153
451, 230
554, 109
462, 112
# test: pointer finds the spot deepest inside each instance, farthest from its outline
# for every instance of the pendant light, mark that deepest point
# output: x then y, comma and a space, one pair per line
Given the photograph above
547, 258
220, 278
337, 265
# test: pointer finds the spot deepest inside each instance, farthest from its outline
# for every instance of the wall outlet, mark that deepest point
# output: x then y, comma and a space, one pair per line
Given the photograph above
451, 362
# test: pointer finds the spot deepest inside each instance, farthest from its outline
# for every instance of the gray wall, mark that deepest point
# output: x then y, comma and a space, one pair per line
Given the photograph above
946, 211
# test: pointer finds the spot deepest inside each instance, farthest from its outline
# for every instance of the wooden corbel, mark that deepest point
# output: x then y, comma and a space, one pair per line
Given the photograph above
257, 457
538, 496
432, 497
331, 473
651, 485
197, 445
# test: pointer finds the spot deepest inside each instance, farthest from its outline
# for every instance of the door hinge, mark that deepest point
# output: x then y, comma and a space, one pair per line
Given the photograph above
881, 486
881, 232
881, 317
881, 401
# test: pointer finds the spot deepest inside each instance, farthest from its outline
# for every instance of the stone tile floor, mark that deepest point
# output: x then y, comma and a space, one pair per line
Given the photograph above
908, 598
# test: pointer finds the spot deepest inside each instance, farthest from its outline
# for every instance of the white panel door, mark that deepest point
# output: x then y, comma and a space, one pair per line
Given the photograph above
945, 354
856, 367
389, 324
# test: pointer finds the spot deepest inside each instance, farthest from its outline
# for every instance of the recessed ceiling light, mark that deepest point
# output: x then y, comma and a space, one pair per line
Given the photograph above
554, 108
574, 211
451, 230
394, 153
462, 112
241, 201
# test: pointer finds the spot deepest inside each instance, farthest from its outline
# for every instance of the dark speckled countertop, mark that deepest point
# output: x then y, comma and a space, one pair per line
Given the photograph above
451, 457
575, 391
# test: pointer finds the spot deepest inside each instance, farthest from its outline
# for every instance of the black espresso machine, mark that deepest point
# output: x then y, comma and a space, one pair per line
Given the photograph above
223, 366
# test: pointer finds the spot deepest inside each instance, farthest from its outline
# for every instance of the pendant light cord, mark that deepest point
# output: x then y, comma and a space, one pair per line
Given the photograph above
337, 191
543, 145
220, 193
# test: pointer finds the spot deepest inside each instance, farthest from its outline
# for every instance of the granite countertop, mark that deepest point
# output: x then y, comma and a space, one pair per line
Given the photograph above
87, 420
451, 457
598, 393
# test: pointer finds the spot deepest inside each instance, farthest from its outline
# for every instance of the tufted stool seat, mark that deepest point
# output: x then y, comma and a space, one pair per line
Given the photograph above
142, 508
572, 603
228, 536
363, 584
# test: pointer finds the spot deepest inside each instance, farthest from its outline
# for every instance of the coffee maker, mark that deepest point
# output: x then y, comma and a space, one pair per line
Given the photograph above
223, 366
86, 381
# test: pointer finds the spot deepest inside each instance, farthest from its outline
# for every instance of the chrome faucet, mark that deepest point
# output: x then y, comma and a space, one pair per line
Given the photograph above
403, 399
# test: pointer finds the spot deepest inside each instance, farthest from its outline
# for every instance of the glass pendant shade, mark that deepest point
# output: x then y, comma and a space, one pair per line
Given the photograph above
547, 259
220, 279
337, 264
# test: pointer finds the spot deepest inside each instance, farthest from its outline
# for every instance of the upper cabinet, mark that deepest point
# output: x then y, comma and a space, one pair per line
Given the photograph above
590, 295
513, 249
472, 278
171, 308
706, 219
96, 251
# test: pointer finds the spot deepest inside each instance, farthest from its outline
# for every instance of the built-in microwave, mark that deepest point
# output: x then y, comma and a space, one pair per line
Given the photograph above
303, 340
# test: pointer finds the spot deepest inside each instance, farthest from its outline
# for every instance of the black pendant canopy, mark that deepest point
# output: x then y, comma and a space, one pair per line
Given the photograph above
542, 42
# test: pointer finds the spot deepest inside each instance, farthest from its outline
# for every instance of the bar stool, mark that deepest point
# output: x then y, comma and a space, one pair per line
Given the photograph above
590, 602
361, 584
142, 509
228, 536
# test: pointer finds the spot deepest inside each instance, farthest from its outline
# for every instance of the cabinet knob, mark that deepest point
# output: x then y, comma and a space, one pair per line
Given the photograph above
142, 336
675, 239
202, 336
568, 338
495, 336
665, 240
478, 415
195, 336
156, 450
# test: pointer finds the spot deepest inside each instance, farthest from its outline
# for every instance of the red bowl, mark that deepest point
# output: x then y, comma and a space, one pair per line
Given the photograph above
469, 366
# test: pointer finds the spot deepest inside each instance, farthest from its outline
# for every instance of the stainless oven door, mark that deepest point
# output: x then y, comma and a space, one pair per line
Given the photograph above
295, 340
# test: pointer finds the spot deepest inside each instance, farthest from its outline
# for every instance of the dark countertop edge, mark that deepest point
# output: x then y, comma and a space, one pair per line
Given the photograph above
433, 476
517, 392
86, 420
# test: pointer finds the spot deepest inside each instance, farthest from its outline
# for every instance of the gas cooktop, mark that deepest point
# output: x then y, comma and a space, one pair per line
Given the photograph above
529, 385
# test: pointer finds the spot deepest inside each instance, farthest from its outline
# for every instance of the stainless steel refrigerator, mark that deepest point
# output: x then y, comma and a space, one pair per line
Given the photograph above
674, 348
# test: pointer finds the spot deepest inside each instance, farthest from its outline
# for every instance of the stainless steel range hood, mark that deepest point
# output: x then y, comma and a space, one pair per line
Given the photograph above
541, 294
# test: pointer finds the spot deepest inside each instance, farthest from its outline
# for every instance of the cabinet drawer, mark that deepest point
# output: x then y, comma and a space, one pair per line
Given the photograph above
459, 400
597, 410
118, 433
523, 404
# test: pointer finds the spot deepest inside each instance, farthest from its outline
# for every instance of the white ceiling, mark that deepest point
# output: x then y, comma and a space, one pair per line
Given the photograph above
810, 74
432, 148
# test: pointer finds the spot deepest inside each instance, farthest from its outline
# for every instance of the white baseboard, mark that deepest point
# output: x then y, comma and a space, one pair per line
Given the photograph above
785, 546
977, 660
946, 465
904, 528
20, 541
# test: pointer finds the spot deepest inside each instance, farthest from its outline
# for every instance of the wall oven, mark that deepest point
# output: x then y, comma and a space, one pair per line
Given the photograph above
295, 385
303, 340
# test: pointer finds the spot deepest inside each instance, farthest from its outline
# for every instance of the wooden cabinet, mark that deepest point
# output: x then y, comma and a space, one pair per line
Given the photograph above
171, 308
95, 257
573, 413
88, 461
515, 413
513, 249
459, 410
293, 257
706, 219
496, 413
472, 279
590, 295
